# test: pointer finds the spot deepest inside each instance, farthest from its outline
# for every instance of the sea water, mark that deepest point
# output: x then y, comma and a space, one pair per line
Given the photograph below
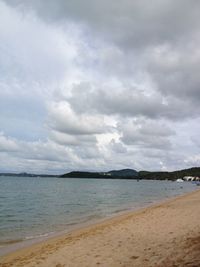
36, 207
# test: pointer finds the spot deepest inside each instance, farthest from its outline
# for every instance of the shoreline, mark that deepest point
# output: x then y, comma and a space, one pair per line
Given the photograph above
48, 248
15, 246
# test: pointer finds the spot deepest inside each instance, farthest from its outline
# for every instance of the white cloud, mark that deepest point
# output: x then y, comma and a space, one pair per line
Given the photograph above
99, 85
63, 119
7, 144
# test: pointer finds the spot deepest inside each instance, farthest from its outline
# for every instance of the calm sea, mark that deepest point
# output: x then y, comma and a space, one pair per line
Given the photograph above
34, 207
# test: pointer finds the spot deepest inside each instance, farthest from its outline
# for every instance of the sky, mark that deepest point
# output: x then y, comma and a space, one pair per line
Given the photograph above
99, 85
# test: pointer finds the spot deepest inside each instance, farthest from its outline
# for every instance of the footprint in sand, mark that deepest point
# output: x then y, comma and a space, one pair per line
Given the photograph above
60, 265
134, 257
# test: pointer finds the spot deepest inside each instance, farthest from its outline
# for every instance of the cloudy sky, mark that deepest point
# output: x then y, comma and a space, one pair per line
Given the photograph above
99, 85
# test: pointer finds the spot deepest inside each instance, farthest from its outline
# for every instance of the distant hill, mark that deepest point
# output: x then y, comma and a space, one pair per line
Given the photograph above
169, 175
79, 174
120, 174
133, 174
123, 173
24, 174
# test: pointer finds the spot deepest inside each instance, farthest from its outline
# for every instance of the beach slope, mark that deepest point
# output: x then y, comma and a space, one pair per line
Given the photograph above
164, 235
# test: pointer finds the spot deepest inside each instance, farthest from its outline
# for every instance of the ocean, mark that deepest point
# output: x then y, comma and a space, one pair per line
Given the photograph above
37, 207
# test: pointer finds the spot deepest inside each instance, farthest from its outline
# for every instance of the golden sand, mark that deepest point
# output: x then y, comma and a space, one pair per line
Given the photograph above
163, 235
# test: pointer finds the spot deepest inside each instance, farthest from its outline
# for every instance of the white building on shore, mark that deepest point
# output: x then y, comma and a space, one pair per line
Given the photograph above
191, 178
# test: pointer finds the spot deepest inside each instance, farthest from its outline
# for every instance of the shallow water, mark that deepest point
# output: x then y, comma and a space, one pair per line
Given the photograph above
36, 207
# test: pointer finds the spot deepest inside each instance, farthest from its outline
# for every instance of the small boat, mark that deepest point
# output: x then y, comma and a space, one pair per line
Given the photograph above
180, 180
196, 183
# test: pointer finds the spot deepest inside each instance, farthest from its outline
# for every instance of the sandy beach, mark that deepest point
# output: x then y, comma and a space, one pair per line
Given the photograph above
163, 235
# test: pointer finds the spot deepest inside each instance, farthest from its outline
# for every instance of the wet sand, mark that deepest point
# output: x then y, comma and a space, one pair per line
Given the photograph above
163, 235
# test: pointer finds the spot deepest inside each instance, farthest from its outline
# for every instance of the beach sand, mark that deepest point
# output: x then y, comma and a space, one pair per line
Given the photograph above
163, 235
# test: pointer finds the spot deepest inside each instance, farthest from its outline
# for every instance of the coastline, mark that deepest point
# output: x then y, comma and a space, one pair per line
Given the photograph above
17, 245
108, 242
135, 201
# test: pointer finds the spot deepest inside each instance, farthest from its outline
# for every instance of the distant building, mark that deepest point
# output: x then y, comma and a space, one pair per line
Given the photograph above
188, 178
191, 178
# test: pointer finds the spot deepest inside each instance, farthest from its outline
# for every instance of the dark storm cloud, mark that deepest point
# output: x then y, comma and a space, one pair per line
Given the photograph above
131, 102
130, 23
142, 27
146, 133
